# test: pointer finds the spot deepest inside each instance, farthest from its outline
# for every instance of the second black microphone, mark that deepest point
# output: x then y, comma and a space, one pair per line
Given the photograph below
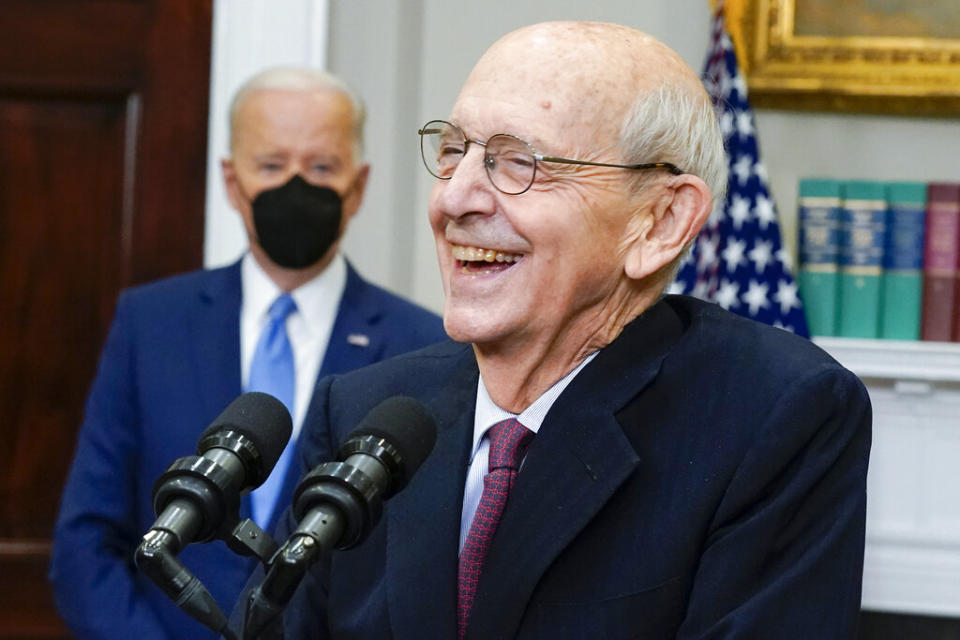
338, 503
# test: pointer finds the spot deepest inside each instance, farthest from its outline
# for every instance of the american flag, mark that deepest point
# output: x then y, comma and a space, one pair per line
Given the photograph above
738, 260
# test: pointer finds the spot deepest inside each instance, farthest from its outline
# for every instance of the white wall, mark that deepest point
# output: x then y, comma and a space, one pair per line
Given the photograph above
248, 36
409, 58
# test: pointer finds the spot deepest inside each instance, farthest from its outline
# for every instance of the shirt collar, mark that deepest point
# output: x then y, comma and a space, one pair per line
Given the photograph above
312, 298
487, 413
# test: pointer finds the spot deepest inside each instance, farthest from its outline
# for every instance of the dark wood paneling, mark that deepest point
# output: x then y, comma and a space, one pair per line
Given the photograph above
103, 109
74, 46
58, 273
26, 607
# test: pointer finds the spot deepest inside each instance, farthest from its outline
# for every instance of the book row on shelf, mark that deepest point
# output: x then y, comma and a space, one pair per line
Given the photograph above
880, 259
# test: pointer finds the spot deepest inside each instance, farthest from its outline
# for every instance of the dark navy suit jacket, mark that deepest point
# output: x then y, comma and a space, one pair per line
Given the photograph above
170, 365
703, 477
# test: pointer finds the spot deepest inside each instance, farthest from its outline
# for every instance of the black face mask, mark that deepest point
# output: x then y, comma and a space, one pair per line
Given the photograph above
297, 222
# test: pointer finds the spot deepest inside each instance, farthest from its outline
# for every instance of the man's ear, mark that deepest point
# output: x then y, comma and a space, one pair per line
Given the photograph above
231, 183
659, 234
357, 191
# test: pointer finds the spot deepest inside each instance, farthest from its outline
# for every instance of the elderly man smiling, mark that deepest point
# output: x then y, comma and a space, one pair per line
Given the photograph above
610, 462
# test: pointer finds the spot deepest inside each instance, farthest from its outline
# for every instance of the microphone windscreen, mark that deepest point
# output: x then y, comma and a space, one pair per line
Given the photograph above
404, 423
261, 418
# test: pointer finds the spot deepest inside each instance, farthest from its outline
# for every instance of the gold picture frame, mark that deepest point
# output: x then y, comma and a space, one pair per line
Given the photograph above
789, 68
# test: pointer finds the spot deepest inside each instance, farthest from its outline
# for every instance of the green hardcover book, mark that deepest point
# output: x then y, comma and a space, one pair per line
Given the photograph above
818, 276
901, 297
863, 223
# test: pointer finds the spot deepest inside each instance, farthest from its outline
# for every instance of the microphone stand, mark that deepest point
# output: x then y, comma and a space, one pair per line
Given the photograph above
157, 558
157, 554
337, 504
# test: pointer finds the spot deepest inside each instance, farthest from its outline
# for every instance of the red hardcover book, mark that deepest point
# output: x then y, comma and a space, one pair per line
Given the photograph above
941, 263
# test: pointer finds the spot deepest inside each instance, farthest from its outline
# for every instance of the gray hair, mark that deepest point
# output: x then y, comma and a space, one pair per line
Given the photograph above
673, 124
302, 79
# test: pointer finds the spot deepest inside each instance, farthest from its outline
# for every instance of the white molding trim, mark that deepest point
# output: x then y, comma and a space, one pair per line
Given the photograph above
909, 577
896, 359
250, 35
912, 553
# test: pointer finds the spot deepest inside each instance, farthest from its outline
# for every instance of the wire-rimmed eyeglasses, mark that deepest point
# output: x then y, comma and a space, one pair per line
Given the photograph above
510, 162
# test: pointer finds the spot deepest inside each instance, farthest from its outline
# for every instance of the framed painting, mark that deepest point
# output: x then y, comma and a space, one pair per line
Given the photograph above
870, 56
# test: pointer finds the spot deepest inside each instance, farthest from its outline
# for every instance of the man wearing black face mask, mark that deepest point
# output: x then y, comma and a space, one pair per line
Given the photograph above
181, 349
297, 223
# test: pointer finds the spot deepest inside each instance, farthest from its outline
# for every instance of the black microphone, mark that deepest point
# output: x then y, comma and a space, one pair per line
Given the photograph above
198, 498
338, 503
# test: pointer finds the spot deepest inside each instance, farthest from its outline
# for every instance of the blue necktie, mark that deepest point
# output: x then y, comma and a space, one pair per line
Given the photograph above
272, 371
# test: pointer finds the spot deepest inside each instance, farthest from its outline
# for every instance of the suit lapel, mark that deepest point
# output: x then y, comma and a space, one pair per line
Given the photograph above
423, 524
577, 461
356, 339
216, 339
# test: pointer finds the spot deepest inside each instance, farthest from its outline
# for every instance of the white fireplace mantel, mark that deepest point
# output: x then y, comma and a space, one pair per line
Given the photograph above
912, 559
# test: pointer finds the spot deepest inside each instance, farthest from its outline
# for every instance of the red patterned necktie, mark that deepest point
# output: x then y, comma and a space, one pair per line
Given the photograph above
508, 442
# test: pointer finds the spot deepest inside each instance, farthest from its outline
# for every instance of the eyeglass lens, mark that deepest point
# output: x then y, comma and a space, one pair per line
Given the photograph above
509, 161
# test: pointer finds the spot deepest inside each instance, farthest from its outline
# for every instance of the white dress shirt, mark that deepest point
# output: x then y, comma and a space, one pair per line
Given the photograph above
488, 414
309, 327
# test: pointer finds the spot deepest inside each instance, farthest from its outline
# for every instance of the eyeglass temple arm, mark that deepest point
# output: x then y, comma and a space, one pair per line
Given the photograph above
672, 168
